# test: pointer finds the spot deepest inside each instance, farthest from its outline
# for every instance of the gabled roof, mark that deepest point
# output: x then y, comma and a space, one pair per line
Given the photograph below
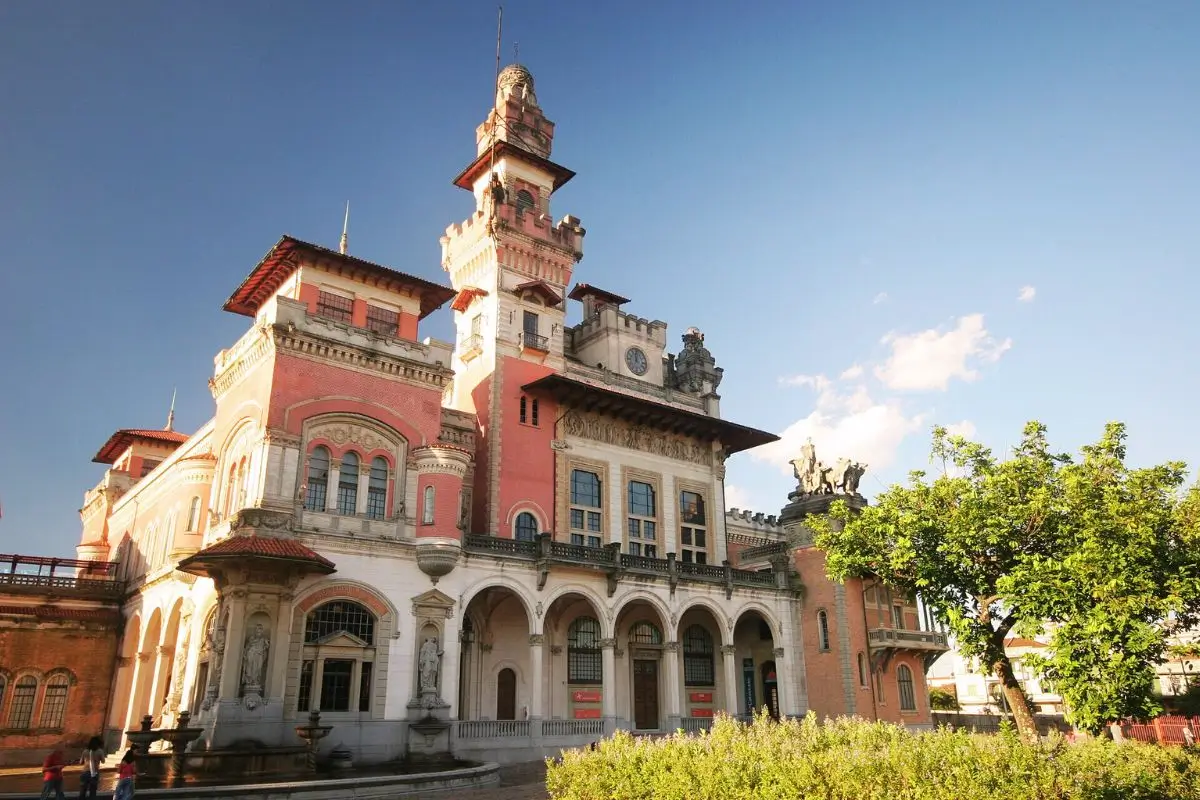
547, 292
583, 290
466, 296
466, 179
120, 441
288, 253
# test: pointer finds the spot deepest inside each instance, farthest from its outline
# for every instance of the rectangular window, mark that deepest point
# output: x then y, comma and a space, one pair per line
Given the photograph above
530, 323
383, 321
524, 408
20, 713
898, 617
693, 528
641, 524
54, 703
148, 467
334, 306
534, 413
364, 687
586, 515
335, 684
477, 325
193, 514
305, 693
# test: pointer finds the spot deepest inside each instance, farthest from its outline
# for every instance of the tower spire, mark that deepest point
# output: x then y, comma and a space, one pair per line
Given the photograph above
171, 413
345, 242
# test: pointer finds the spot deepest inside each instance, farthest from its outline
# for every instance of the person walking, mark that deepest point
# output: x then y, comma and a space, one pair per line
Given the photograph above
52, 776
126, 776
89, 779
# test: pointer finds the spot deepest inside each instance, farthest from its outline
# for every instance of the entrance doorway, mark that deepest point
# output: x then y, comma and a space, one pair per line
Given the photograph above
506, 694
770, 689
645, 695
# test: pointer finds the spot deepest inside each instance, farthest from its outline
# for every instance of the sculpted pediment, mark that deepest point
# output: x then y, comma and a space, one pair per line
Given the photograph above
433, 603
340, 639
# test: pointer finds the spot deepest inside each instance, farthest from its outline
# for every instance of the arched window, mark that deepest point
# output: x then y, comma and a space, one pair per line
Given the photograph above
193, 520
904, 682
427, 507
862, 670
645, 633
524, 201
506, 694
243, 478
524, 407
698, 667
347, 496
533, 416
584, 662
54, 701
20, 712
377, 489
526, 528
318, 479
230, 484
339, 646
823, 629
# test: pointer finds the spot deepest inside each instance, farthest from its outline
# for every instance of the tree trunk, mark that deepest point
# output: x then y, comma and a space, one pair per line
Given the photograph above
1017, 702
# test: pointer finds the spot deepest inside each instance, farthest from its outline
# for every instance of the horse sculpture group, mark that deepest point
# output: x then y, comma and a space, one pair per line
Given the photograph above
814, 477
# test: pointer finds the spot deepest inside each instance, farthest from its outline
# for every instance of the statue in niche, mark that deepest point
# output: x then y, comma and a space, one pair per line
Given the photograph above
429, 662
254, 658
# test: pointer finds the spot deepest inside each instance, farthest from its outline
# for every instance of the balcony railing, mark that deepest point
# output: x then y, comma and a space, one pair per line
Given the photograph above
533, 341
907, 640
545, 551
763, 551
470, 346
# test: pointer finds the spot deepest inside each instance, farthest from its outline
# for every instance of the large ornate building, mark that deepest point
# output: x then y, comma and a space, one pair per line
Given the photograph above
500, 547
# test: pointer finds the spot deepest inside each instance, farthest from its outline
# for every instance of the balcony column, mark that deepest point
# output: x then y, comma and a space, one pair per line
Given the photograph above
331, 486
536, 690
730, 684
609, 689
364, 483
671, 665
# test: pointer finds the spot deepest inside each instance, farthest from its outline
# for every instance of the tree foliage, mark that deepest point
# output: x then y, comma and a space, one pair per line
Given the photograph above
1100, 556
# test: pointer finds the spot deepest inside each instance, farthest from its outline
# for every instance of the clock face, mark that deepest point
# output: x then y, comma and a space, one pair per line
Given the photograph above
635, 359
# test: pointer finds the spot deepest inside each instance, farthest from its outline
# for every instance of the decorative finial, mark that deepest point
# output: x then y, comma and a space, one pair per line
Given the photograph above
171, 413
516, 52
345, 243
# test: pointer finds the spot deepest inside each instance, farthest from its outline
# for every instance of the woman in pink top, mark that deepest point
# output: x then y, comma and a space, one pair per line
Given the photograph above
126, 776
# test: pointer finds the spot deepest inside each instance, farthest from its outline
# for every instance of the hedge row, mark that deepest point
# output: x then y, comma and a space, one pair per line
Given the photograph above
851, 759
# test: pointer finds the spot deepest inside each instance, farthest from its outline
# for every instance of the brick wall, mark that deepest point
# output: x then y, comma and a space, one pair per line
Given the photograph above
39, 646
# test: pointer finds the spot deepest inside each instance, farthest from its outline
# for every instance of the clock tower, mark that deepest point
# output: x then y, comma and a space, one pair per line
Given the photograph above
510, 264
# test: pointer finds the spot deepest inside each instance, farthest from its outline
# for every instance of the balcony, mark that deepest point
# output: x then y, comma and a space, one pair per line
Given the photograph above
470, 346
545, 553
885, 642
534, 343
31, 575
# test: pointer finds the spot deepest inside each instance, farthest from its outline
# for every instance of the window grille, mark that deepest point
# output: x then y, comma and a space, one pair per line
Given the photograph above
698, 666
20, 713
333, 306
904, 682
318, 480
377, 489
645, 633
584, 661
527, 527
340, 616
383, 321
54, 701
347, 499
823, 629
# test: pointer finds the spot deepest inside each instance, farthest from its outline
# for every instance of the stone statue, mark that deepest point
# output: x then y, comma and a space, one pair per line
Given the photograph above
429, 662
853, 475
254, 658
814, 477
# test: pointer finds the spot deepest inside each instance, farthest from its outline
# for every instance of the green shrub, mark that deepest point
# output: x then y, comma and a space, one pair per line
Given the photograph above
850, 759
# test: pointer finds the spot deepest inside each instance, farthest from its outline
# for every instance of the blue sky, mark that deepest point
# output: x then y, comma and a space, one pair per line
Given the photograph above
857, 189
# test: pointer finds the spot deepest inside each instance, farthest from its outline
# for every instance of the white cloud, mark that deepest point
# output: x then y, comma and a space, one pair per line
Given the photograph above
818, 382
737, 497
1027, 294
851, 424
851, 373
880, 298
965, 429
930, 359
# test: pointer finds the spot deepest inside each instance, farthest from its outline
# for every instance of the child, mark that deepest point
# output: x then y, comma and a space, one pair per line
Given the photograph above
52, 777
126, 776
89, 779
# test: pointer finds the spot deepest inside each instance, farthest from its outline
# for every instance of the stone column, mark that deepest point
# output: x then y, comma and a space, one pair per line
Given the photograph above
783, 683
162, 676
364, 483
609, 695
331, 486
732, 686
671, 666
536, 689
716, 513
137, 693
450, 672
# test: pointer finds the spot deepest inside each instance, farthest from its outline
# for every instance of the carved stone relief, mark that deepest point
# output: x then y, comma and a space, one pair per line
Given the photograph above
635, 437
341, 433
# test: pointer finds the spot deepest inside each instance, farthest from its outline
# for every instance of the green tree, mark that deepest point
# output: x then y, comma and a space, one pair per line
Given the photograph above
942, 699
1103, 553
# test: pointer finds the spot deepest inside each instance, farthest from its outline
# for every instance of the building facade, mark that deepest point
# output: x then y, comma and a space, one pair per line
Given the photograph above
498, 547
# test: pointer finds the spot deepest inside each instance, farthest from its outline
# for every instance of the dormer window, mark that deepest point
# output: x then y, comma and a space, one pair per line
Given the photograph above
525, 202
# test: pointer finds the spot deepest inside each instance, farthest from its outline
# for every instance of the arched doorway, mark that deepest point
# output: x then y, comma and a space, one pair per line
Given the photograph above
651, 686
770, 689
754, 648
506, 694
574, 639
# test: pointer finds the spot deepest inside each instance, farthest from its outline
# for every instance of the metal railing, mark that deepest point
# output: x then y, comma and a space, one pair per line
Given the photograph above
469, 345
103, 587
896, 637
534, 341
763, 551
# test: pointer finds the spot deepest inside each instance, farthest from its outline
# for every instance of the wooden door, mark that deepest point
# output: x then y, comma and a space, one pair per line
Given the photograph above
645, 695
506, 694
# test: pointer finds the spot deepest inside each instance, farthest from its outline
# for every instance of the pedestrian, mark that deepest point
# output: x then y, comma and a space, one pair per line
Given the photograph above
52, 776
89, 779
126, 776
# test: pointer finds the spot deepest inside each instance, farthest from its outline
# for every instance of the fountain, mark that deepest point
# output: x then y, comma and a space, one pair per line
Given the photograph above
179, 738
312, 734
140, 739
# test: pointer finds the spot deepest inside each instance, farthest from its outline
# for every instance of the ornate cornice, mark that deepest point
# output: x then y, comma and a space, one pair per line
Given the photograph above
369, 361
442, 459
237, 364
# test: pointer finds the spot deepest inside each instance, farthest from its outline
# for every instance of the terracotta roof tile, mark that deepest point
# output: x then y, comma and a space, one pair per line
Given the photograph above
260, 547
119, 442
